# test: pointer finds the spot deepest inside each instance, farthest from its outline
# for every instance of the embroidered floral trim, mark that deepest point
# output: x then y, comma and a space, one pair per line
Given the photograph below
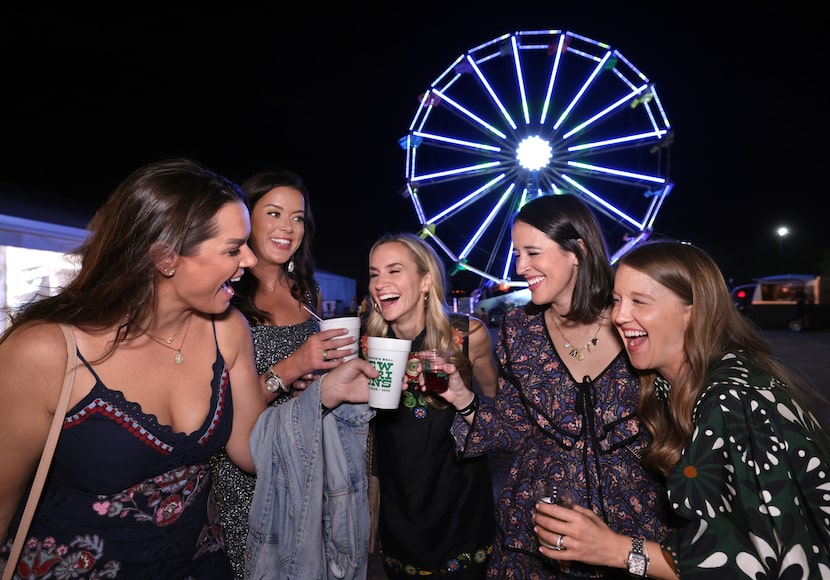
165, 497
457, 339
48, 559
412, 366
415, 402
460, 562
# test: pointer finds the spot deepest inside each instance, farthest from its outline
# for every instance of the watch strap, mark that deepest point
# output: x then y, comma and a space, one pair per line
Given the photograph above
637, 561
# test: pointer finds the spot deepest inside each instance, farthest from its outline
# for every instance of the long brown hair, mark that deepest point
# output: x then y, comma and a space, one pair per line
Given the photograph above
168, 206
715, 328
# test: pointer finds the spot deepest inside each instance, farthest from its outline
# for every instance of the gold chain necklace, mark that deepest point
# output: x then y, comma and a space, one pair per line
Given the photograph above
170, 339
577, 353
166, 342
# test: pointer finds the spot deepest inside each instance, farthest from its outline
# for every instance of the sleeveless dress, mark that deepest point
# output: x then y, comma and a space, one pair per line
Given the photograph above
128, 497
233, 487
436, 511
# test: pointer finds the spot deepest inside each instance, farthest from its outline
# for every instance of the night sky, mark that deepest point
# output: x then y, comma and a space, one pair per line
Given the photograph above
88, 96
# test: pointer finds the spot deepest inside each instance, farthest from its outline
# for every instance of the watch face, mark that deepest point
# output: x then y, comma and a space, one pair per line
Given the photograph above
273, 383
636, 564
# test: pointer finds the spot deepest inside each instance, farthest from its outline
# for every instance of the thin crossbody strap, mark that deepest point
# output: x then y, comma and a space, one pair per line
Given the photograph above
46, 457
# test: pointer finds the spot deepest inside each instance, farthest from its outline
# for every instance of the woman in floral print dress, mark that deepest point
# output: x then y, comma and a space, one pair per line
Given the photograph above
565, 406
748, 465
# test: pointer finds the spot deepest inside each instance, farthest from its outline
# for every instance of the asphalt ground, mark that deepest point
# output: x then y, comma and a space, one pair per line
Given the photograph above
807, 353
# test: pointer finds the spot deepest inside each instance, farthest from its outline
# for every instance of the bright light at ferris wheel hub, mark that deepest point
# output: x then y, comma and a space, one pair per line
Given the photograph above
534, 153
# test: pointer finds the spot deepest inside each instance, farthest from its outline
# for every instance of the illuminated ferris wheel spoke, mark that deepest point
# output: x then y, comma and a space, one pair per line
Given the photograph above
483, 80
470, 115
600, 203
505, 273
552, 80
477, 235
429, 232
464, 202
517, 61
578, 96
603, 113
469, 168
457, 142
617, 172
458, 172
616, 141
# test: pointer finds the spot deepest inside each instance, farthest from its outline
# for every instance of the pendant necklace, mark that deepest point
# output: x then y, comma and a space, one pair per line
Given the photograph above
166, 342
578, 353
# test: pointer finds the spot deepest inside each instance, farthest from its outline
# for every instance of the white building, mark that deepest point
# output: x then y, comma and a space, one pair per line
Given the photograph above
36, 257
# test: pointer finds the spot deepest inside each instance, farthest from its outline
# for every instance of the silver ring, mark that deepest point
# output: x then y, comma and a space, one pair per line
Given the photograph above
325, 355
559, 545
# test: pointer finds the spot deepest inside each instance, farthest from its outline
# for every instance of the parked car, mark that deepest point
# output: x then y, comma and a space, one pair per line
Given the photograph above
794, 301
498, 300
742, 296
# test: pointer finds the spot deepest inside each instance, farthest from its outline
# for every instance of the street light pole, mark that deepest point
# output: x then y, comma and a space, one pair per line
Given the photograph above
781, 231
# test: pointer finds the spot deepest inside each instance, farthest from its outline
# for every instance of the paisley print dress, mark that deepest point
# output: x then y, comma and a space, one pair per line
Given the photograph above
573, 432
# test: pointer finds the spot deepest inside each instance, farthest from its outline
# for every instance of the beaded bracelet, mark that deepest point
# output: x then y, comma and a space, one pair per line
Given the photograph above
469, 409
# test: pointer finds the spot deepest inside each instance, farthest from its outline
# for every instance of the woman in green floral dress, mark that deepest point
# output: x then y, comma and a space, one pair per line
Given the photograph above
748, 465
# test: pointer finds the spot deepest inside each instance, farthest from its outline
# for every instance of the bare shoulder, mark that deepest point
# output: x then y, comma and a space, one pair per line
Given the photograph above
34, 354
479, 334
35, 342
232, 323
233, 331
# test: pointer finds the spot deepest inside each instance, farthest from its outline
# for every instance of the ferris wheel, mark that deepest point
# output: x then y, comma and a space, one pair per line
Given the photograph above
533, 113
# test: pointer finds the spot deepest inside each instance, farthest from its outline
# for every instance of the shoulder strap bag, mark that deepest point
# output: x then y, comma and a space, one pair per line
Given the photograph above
46, 457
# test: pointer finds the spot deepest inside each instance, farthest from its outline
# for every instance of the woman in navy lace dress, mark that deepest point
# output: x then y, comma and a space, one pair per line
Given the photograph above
165, 378
159, 352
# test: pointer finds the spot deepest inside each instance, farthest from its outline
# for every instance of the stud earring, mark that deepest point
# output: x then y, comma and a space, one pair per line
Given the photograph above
169, 272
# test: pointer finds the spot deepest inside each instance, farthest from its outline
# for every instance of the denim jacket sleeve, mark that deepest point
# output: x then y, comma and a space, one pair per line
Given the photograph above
311, 478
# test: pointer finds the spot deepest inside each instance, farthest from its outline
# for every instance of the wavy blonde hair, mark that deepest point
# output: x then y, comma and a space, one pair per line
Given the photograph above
439, 330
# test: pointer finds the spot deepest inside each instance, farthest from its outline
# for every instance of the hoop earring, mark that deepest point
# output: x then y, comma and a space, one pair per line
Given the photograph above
375, 306
290, 267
